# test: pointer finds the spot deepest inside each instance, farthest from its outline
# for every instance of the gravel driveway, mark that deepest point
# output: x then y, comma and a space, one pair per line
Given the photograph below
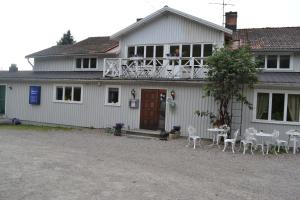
88, 165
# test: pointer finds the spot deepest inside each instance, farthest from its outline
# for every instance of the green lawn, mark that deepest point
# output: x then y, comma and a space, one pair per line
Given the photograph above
27, 127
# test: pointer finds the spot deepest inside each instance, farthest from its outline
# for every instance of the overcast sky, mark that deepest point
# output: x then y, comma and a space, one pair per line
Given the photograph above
27, 26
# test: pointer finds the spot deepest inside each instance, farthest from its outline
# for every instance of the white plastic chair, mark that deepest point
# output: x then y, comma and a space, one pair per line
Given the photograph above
249, 139
192, 136
232, 141
223, 134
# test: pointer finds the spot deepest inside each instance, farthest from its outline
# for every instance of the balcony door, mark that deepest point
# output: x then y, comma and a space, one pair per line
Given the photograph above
153, 109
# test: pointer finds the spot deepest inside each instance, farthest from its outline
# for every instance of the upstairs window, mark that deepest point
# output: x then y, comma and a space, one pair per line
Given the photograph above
274, 61
68, 94
208, 50
86, 63
112, 95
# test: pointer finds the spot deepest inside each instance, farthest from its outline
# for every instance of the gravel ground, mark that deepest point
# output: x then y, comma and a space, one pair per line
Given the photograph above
92, 165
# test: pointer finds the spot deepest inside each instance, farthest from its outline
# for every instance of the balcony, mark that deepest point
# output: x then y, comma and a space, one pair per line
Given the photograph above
155, 68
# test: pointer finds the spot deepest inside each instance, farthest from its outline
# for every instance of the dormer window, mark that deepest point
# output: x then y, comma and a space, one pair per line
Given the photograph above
274, 61
86, 63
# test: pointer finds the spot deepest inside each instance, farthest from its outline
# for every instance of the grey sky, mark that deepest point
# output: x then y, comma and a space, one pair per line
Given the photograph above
32, 25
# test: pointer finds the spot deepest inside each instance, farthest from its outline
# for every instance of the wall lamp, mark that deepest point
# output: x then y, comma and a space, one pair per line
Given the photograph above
133, 93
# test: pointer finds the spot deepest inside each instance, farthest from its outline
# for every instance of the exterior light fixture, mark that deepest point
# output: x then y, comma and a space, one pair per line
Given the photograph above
173, 94
133, 93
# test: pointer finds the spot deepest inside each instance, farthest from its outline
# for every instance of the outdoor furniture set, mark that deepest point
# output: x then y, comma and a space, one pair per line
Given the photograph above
251, 139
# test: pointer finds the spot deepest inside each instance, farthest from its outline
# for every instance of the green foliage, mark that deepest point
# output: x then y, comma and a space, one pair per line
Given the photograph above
28, 127
67, 38
229, 71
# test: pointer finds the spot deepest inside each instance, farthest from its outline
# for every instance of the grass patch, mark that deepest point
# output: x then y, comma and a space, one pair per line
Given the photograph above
28, 127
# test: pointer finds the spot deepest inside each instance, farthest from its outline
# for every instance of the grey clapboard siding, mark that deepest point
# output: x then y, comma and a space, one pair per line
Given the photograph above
266, 127
93, 113
61, 64
171, 29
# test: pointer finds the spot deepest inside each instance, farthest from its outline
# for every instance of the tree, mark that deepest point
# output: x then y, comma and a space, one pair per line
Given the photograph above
229, 71
13, 68
67, 38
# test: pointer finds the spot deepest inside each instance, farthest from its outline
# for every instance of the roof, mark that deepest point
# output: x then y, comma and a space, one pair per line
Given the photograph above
270, 39
55, 75
263, 77
164, 10
89, 46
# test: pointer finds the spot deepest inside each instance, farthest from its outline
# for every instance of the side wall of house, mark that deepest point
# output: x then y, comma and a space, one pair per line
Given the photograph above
62, 64
248, 121
171, 29
93, 113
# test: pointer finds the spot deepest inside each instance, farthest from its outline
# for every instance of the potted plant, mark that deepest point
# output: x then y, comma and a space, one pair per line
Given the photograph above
118, 129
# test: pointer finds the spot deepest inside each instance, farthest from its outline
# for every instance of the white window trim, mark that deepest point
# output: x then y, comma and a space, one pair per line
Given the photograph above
269, 120
106, 95
64, 101
291, 68
168, 47
86, 69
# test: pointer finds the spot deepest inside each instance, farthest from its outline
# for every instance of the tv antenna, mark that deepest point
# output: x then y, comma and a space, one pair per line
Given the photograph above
223, 4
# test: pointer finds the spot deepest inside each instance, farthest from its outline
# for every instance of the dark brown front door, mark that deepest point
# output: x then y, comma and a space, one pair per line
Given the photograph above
151, 109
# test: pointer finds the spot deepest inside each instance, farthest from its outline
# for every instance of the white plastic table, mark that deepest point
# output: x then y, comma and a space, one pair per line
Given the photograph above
294, 134
262, 136
215, 132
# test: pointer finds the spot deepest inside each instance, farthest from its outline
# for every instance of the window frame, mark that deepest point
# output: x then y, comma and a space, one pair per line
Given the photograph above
106, 103
89, 67
63, 95
285, 108
265, 65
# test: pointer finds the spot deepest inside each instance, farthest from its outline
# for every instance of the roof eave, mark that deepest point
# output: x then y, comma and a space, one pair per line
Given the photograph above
174, 11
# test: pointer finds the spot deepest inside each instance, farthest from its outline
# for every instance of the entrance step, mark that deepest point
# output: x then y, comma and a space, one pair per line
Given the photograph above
144, 133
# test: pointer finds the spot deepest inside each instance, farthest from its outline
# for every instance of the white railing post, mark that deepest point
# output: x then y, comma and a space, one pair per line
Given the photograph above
120, 67
104, 67
193, 66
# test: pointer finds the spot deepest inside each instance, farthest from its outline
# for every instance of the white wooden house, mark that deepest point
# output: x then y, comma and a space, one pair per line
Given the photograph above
138, 74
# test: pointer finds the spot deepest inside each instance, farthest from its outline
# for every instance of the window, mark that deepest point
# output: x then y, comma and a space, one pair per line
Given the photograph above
112, 96
86, 63
274, 61
59, 93
277, 106
78, 63
70, 94
140, 51
262, 108
93, 63
130, 52
197, 50
284, 62
208, 50
174, 50
293, 108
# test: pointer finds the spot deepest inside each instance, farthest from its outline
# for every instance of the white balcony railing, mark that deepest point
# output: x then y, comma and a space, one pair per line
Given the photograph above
148, 68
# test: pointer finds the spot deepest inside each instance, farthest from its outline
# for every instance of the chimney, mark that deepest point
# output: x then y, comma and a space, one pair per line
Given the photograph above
13, 68
138, 19
231, 20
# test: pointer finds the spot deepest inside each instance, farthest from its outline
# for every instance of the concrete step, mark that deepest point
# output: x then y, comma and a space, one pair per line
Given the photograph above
145, 133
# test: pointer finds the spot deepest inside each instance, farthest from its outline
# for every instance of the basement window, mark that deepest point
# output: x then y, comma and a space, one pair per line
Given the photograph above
86, 63
68, 94
112, 96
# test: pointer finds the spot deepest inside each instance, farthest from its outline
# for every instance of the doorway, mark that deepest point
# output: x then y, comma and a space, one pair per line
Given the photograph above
153, 109
2, 99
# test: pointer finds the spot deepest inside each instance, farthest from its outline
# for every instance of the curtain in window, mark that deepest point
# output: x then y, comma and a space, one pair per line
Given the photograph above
262, 106
293, 108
